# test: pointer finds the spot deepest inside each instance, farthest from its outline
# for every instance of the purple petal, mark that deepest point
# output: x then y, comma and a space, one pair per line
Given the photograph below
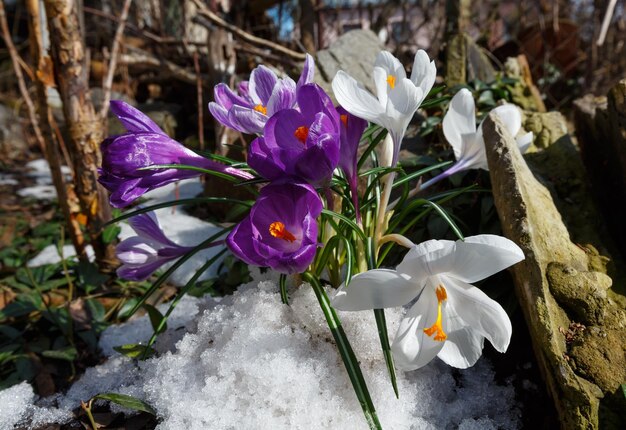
140, 272
308, 71
262, 159
133, 119
312, 99
283, 96
281, 128
221, 115
351, 132
247, 120
147, 226
243, 90
319, 161
225, 97
239, 241
261, 85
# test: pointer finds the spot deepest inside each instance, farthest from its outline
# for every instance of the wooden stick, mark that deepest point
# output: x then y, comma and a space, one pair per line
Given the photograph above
606, 21
207, 13
108, 81
196, 65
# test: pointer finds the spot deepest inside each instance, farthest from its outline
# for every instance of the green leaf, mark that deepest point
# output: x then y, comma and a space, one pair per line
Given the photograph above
126, 401
381, 323
134, 350
110, 233
284, 297
89, 277
347, 354
68, 354
156, 319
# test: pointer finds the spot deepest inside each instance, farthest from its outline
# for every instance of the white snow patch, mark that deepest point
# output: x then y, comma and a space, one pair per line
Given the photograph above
39, 192
40, 171
6, 179
17, 405
252, 362
181, 228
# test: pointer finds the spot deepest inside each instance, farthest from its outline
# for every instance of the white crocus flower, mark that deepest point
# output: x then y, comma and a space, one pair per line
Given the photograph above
397, 97
451, 318
468, 144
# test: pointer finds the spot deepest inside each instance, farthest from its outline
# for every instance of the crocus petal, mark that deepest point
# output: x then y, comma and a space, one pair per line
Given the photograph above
459, 120
246, 120
412, 348
473, 154
390, 64
139, 272
478, 257
510, 116
312, 100
261, 85
479, 312
463, 346
133, 119
375, 289
308, 71
427, 259
405, 98
221, 115
147, 226
381, 84
424, 73
225, 97
524, 142
283, 96
356, 99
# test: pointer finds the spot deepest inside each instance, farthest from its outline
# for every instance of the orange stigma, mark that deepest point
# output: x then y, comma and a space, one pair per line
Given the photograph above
261, 108
391, 80
436, 328
344, 119
301, 133
277, 229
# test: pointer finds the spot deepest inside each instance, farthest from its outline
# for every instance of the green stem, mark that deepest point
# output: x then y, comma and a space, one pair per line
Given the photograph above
347, 354
283, 289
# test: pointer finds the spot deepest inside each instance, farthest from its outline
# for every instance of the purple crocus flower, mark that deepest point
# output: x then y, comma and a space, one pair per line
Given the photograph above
281, 231
300, 144
143, 254
144, 145
352, 128
260, 98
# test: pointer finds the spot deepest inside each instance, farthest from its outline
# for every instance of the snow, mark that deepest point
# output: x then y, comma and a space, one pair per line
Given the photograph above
16, 404
251, 362
176, 224
7, 179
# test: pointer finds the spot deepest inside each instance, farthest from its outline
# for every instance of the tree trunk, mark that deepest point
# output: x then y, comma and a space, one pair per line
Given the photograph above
307, 25
86, 129
43, 67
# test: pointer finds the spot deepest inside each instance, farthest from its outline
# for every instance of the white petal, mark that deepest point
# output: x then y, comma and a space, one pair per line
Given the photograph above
427, 259
473, 154
478, 311
478, 257
524, 141
412, 348
424, 72
375, 289
510, 116
459, 120
390, 64
382, 87
464, 346
356, 99
405, 97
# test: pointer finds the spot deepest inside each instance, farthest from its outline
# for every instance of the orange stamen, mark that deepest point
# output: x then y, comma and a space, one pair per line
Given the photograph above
278, 230
437, 328
301, 133
261, 108
391, 80
344, 119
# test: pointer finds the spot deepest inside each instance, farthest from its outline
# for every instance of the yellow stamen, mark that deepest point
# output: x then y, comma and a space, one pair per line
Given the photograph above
261, 108
391, 80
437, 328
344, 119
301, 133
278, 230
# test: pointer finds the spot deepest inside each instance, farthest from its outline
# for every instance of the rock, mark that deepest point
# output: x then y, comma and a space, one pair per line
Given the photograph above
466, 61
556, 286
524, 92
547, 127
581, 293
354, 52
